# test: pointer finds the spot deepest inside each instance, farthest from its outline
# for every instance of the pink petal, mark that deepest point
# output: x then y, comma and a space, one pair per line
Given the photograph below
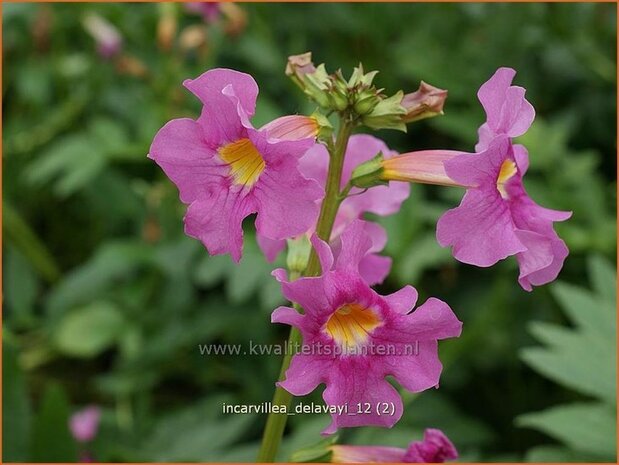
543, 259
286, 201
435, 448
84, 423
355, 245
270, 247
216, 219
480, 230
304, 374
480, 169
287, 315
366, 454
307, 292
213, 82
492, 94
402, 301
374, 268
431, 321
324, 253
517, 113
419, 372
180, 150
356, 380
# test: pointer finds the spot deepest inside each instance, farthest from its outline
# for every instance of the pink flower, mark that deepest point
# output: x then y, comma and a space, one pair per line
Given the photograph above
380, 200
108, 39
507, 111
435, 448
225, 169
497, 218
353, 337
85, 423
210, 11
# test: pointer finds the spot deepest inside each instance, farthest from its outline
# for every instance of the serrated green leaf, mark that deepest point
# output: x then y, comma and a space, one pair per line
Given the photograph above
603, 278
585, 427
586, 310
573, 360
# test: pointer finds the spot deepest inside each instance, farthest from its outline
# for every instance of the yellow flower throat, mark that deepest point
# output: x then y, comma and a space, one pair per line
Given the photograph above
351, 324
507, 171
246, 163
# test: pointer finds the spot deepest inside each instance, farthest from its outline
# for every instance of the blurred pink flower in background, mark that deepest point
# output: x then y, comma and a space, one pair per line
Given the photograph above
84, 423
108, 40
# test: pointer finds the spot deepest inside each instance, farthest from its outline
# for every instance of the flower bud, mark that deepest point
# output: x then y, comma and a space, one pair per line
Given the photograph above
236, 18
299, 249
298, 66
192, 37
426, 102
368, 174
387, 114
108, 39
317, 86
166, 27
365, 102
338, 99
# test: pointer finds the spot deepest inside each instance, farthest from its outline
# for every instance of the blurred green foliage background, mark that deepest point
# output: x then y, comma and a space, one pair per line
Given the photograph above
106, 301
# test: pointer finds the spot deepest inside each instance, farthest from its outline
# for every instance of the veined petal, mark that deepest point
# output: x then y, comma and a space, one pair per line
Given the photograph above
324, 253
179, 149
292, 127
305, 373
216, 219
492, 93
214, 81
543, 259
404, 300
480, 230
355, 245
356, 380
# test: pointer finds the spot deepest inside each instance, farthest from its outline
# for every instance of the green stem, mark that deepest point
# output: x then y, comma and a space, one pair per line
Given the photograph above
276, 422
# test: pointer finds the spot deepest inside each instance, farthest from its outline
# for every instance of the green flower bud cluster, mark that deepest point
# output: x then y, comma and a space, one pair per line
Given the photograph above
356, 96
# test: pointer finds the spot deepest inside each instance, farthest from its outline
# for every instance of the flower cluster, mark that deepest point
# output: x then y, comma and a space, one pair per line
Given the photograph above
310, 191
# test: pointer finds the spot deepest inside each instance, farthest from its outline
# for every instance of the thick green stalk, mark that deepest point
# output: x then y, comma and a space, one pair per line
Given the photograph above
276, 422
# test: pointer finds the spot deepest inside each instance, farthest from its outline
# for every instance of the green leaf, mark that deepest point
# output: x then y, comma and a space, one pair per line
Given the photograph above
603, 278
197, 433
578, 360
585, 427
422, 254
111, 262
585, 309
87, 331
70, 164
21, 285
52, 441
583, 358
16, 411
549, 454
